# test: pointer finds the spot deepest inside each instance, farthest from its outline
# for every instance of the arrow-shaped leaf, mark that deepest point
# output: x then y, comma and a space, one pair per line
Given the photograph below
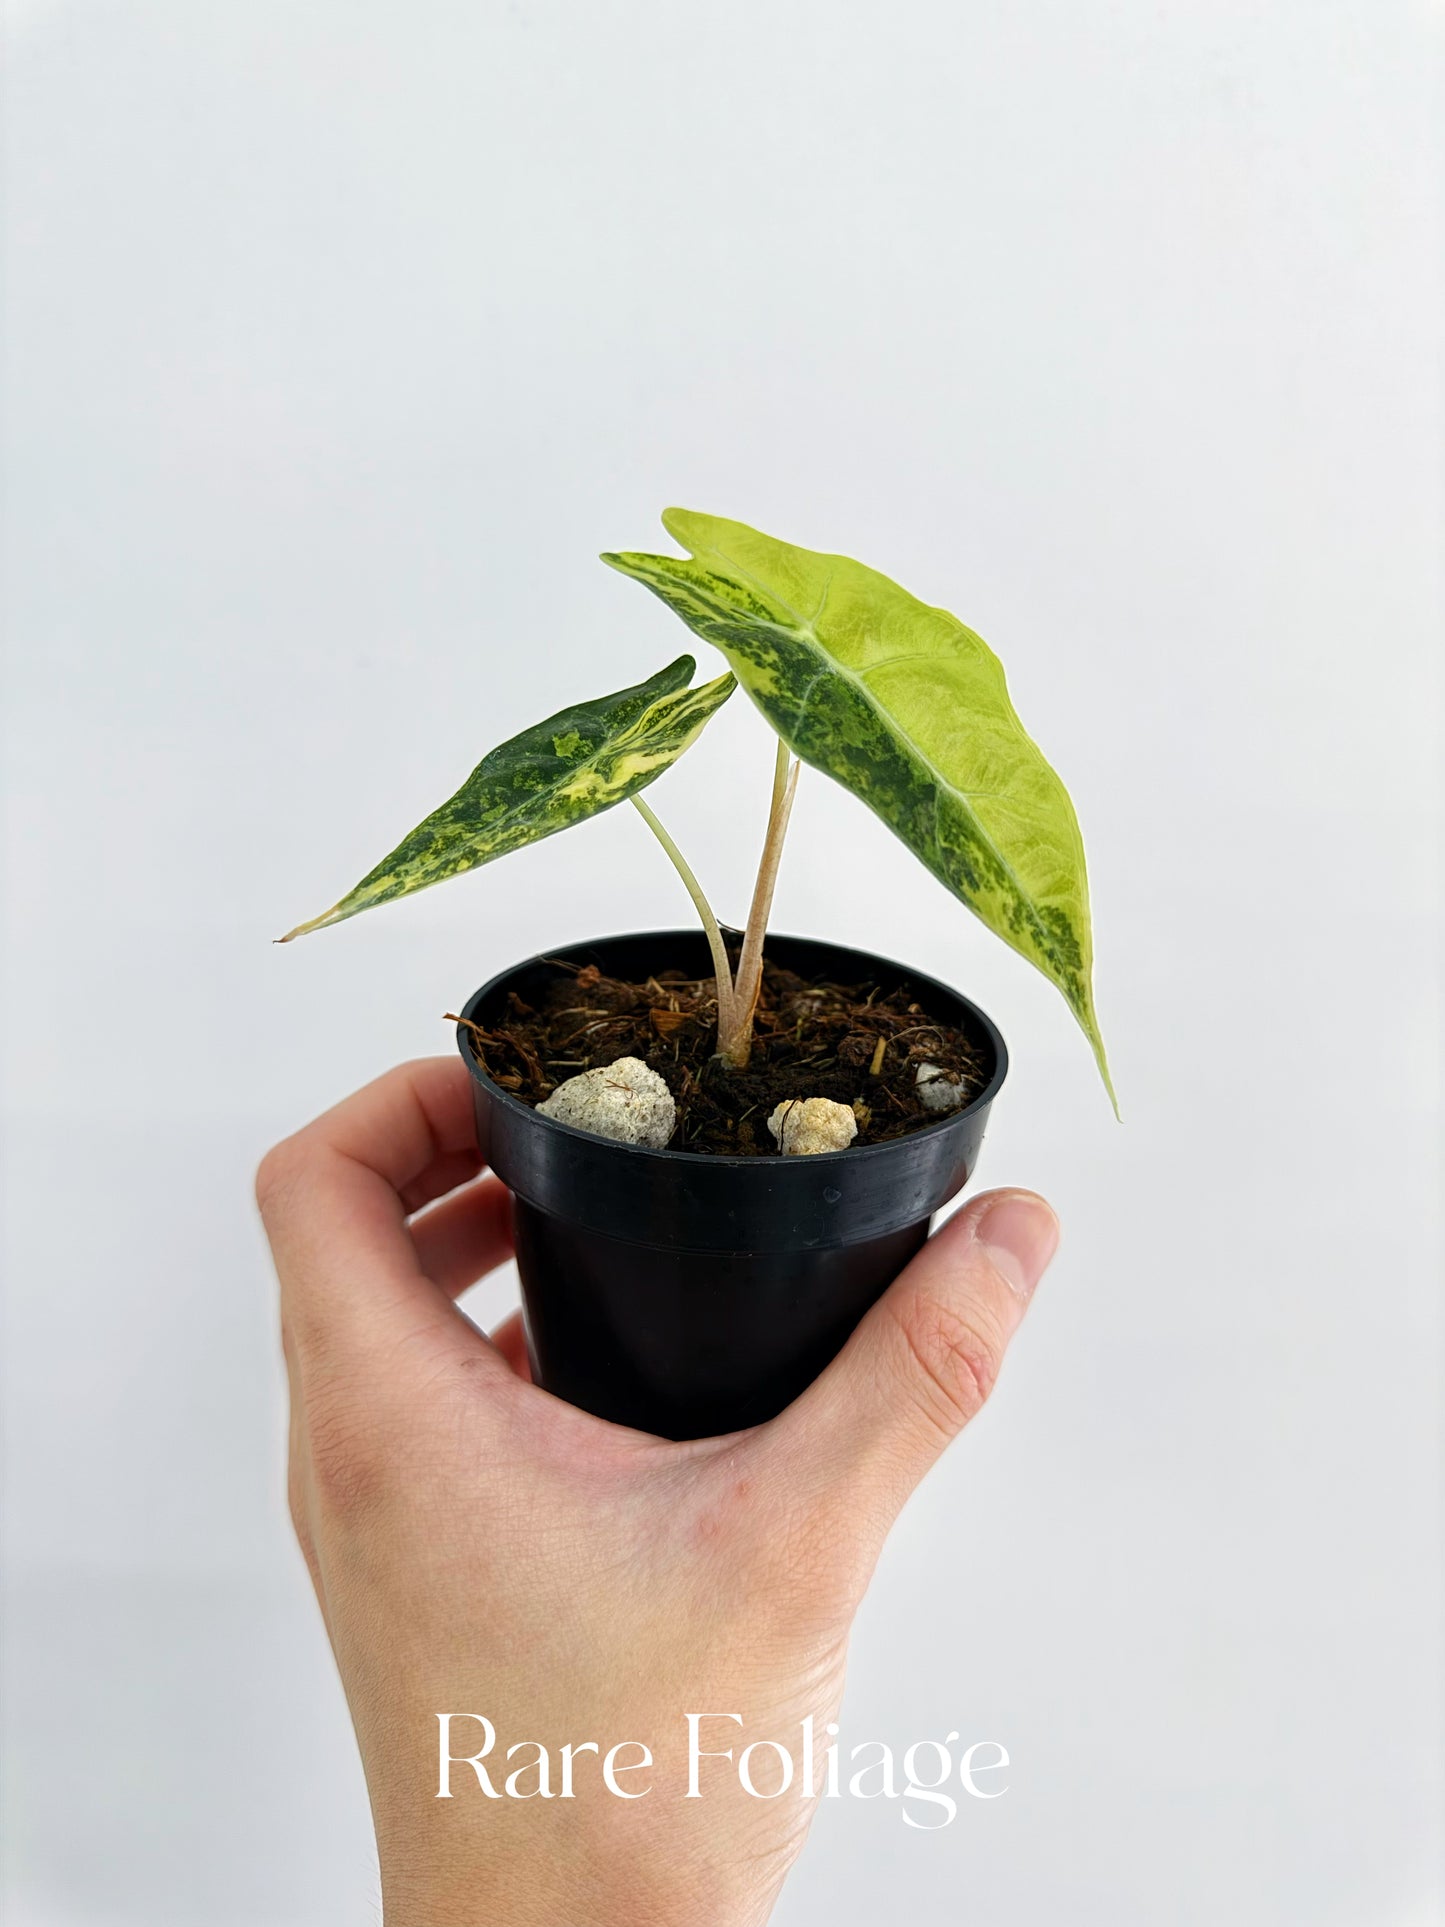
577, 763
907, 708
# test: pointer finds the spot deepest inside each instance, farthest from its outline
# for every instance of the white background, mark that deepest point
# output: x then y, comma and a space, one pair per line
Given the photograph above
340, 337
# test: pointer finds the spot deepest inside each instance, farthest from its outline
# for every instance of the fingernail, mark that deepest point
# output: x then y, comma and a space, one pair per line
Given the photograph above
1021, 1235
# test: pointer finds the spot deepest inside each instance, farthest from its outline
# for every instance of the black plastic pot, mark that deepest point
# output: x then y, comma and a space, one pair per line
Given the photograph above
689, 1295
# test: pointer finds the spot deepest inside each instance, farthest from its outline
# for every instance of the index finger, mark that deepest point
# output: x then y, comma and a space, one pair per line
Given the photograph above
335, 1198
405, 1125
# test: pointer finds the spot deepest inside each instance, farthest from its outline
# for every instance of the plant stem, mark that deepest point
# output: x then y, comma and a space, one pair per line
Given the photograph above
726, 995
735, 1041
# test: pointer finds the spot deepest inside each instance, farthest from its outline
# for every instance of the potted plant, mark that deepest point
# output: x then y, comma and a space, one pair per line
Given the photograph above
724, 1145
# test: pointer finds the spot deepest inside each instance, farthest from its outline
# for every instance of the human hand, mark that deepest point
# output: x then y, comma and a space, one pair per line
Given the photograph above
479, 1547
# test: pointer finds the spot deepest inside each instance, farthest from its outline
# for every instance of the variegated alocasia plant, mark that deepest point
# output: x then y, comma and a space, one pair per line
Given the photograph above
895, 700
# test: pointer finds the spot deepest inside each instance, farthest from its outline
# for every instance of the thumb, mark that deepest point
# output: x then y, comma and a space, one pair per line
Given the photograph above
925, 1358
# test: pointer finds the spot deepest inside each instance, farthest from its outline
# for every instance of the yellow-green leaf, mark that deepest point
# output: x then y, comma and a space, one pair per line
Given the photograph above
907, 708
577, 763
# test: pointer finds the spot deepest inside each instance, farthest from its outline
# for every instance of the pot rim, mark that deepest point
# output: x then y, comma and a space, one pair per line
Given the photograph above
712, 1159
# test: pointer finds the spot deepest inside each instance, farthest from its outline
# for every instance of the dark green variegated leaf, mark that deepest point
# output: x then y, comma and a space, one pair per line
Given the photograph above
578, 762
908, 709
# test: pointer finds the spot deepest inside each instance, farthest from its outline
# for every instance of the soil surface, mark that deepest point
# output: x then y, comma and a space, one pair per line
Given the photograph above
860, 1044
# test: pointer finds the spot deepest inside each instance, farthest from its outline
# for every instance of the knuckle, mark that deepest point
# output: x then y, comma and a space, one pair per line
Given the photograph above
954, 1357
296, 1504
276, 1173
348, 1465
306, 1541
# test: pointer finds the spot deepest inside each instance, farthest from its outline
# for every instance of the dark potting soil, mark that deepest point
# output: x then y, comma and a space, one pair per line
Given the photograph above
860, 1044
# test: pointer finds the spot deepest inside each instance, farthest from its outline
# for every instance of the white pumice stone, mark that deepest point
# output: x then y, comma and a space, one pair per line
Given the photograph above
938, 1089
805, 1125
626, 1100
